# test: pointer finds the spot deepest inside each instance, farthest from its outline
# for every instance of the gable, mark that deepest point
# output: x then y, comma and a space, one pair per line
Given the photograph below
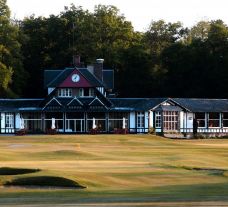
75, 79
53, 104
96, 104
168, 105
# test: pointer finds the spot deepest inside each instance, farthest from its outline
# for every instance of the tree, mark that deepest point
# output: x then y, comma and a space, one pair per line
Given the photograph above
161, 34
11, 68
103, 33
200, 31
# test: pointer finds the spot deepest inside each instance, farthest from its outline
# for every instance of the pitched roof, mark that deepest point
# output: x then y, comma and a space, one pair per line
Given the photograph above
138, 104
53, 78
203, 105
60, 77
11, 105
50, 75
75, 102
90, 77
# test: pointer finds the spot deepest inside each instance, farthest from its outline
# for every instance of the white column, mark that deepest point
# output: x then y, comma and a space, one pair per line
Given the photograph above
132, 120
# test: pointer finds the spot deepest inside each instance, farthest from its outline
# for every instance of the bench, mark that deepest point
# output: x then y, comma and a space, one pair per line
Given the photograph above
51, 131
20, 132
120, 131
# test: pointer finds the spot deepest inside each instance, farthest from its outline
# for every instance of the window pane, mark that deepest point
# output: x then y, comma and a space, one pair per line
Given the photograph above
225, 123
214, 116
213, 123
201, 123
200, 115
225, 115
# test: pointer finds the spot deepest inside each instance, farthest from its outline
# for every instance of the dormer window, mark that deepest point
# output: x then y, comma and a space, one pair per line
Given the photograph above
65, 92
86, 92
81, 92
91, 92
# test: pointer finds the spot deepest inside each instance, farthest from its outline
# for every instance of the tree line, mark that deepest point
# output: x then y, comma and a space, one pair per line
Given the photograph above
167, 60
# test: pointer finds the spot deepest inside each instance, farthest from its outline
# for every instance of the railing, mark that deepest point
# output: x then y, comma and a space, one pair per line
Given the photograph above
8, 130
205, 130
33, 125
100, 125
58, 124
74, 125
138, 130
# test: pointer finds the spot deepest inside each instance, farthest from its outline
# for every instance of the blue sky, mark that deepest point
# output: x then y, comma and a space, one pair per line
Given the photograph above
139, 12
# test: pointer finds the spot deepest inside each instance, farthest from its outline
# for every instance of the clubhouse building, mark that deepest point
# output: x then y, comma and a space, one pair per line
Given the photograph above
81, 100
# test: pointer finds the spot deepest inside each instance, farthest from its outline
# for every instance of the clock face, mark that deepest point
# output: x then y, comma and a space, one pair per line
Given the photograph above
75, 78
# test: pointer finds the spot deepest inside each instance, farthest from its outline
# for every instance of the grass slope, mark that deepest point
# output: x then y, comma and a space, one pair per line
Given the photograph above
118, 168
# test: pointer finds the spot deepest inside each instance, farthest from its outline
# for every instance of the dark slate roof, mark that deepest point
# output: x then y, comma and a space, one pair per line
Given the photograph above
203, 105
168, 108
118, 104
50, 75
138, 104
108, 79
53, 102
75, 102
60, 77
12, 105
90, 77
53, 78
96, 102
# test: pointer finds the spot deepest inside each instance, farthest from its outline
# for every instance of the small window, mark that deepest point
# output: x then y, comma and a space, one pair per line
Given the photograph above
157, 119
91, 92
140, 120
225, 119
81, 92
9, 120
65, 92
214, 120
201, 119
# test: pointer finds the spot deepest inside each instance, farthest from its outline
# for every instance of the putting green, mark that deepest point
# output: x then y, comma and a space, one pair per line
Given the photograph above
117, 169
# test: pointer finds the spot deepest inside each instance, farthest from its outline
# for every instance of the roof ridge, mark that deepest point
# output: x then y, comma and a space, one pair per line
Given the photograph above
92, 75
60, 74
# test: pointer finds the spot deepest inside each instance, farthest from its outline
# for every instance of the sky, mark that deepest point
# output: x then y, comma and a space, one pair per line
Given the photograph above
139, 12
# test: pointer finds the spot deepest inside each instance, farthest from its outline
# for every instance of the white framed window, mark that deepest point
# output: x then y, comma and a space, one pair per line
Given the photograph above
81, 92
158, 119
87, 92
170, 120
201, 119
91, 92
225, 119
9, 120
214, 119
140, 120
65, 92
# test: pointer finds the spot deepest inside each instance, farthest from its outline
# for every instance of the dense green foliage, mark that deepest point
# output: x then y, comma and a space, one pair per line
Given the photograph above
11, 61
166, 60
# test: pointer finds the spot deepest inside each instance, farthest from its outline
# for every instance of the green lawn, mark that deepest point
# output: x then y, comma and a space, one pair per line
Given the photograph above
118, 169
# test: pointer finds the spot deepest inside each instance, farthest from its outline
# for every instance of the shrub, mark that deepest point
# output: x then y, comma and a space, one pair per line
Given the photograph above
16, 171
44, 181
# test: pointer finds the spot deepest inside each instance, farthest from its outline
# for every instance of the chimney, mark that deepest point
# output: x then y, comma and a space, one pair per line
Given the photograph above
77, 60
90, 68
98, 69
